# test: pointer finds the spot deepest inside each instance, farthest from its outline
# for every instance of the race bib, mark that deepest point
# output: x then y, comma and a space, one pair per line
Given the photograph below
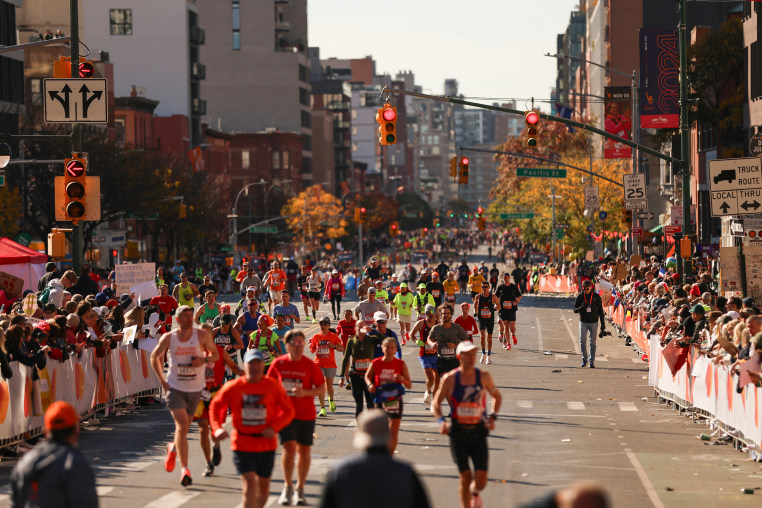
486, 313
435, 293
507, 305
186, 372
323, 351
335, 286
362, 364
305, 287
468, 413
206, 395
447, 351
386, 376
209, 374
222, 340
253, 412
265, 354
290, 384
450, 298
392, 406
404, 304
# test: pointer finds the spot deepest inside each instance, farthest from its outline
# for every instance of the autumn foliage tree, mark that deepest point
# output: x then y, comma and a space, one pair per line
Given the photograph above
315, 213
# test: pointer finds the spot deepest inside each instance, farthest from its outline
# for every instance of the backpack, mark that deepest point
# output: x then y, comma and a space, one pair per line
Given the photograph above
43, 297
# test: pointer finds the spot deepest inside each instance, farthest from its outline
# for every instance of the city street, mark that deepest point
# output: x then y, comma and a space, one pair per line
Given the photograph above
559, 424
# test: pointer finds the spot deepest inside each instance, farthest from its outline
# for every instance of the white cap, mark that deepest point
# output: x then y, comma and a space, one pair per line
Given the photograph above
379, 316
465, 347
733, 314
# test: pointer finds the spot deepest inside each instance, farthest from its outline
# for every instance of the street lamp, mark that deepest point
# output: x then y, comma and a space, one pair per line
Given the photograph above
5, 154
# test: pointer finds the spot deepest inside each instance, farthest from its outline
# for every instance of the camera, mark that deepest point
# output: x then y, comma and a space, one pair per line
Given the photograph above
603, 333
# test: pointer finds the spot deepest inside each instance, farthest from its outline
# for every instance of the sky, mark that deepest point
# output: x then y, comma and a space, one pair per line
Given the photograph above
494, 48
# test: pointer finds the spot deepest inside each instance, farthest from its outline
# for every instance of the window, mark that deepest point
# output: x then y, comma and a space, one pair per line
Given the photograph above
245, 160
276, 159
236, 25
286, 161
35, 87
306, 119
120, 21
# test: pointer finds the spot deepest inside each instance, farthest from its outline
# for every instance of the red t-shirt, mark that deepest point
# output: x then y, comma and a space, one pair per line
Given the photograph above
383, 372
167, 304
215, 373
324, 355
346, 330
469, 325
253, 407
277, 280
304, 373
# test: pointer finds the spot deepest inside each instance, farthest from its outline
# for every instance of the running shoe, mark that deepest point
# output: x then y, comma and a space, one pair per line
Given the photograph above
515, 340
426, 399
332, 405
322, 412
169, 463
489, 360
216, 456
209, 471
476, 500
482, 358
314, 321
287, 496
507, 345
348, 386
301, 500
501, 338
186, 479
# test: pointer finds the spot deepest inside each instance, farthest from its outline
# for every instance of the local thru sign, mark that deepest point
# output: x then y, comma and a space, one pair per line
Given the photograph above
736, 186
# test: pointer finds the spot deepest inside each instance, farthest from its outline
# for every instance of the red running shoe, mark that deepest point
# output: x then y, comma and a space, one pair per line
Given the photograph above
169, 463
515, 340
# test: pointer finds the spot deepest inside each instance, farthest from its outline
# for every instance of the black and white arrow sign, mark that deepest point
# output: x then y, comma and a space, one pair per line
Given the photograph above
75, 100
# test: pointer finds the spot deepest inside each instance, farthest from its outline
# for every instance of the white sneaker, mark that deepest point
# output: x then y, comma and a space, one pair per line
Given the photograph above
426, 398
287, 496
489, 360
482, 358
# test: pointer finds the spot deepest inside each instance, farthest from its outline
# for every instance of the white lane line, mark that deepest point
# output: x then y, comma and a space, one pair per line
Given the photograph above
647, 485
575, 340
104, 491
627, 406
601, 359
524, 404
352, 423
637, 360
562, 356
539, 337
133, 466
173, 499
577, 406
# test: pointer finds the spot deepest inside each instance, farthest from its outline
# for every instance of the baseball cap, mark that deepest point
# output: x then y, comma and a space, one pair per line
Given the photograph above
183, 308
698, 309
251, 288
334, 272
112, 303
403, 285
372, 429
224, 307
43, 325
324, 319
435, 274
429, 309
379, 316
60, 415
253, 354
371, 289
421, 286
464, 347
72, 320
101, 298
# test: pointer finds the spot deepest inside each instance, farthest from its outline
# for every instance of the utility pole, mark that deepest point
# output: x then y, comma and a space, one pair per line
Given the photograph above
685, 140
553, 225
76, 138
359, 236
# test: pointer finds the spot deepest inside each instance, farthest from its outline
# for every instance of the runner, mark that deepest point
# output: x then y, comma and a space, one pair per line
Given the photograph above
394, 289
275, 281
206, 286
303, 381
387, 379
259, 408
227, 336
494, 276
446, 336
265, 340
166, 303
185, 380
465, 389
450, 287
209, 310
485, 304
334, 290
252, 280
366, 308
380, 332
323, 345
422, 299
381, 294
243, 305
287, 308
280, 330
428, 353
248, 322
403, 305
475, 282
510, 296
314, 285
304, 289
215, 378
360, 349
435, 289
346, 327
224, 311
467, 321
463, 274
185, 292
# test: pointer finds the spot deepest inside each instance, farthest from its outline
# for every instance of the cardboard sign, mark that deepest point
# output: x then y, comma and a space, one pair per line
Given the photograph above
621, 272
138, 278
12, 285
635, 260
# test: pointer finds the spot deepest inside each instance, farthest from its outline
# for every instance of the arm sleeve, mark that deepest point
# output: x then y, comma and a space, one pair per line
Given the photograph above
578, 304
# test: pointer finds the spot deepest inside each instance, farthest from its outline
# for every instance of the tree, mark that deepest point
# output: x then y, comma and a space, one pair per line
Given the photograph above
314, 214
414, 211
380, 209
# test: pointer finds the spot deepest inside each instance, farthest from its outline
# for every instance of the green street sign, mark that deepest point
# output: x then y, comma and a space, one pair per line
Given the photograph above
23, 238
226, 248
559, 234
515, 216
263, 229
2, 178
541, 172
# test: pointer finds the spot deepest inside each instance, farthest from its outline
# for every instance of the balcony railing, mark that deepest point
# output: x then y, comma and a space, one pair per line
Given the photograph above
198, 107
197, 35
198, 70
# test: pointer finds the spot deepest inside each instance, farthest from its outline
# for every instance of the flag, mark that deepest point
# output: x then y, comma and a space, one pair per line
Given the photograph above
565, 112
196, 158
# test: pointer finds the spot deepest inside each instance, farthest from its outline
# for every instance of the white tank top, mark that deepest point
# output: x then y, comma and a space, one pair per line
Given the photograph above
181, 376
314, 284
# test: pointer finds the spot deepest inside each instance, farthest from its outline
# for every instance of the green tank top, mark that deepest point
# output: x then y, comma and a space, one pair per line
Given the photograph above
209, 314
265, 345
185, 295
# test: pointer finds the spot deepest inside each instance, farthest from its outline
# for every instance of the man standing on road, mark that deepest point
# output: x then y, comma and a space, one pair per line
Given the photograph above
445, 337
435, 289
364, 479
590, 309
259, 408
185, 380
403, 303
509, 296
366, 308
465, 389
303, 381
55, 473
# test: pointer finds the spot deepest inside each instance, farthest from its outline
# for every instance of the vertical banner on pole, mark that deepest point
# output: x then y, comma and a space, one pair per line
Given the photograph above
618, 121
659, 80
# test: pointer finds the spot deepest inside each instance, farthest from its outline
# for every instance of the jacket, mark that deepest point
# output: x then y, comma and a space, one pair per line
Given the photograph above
596, 309
56, 292
85, 286
53, 474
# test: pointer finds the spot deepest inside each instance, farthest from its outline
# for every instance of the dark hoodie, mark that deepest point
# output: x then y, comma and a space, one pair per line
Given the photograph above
53, 474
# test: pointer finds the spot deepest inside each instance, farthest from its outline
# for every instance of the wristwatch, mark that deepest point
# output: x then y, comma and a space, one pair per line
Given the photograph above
492, 415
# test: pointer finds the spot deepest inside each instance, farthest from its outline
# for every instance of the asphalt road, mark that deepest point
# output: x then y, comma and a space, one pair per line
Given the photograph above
559, 424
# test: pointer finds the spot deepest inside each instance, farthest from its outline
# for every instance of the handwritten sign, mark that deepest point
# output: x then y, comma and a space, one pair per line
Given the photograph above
12, 285
138, 278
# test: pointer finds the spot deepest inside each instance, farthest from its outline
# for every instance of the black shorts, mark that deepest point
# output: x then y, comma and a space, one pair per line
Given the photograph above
507, 315
260, 463
473, 294
469, 444
445, 365
393, 414
298, 430
314, 295
487, 324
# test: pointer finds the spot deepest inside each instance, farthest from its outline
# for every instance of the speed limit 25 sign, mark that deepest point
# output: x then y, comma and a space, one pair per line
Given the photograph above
635, 191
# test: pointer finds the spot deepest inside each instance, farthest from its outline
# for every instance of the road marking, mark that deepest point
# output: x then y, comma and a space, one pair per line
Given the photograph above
104, 491
577, 406
647, 485
627, 406
637, 360
601, 359
173, 499
352, 423
524, 404
540, 349
133, 466
4, 498
575, 340
561, 356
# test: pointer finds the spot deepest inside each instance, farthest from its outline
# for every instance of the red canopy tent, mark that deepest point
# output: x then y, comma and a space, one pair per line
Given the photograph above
22, 262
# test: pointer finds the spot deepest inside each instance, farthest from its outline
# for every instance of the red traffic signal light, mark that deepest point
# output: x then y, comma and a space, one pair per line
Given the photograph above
464, 160
75, 168
480, 209
386, 117
389, 114
115, 253
532, 119
75, 186
86, 69
363, 210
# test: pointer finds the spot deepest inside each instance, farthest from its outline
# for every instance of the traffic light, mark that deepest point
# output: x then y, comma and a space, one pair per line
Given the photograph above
628, 217
56, 244
532, 119
363, 215
75, 186
463, 170
436, 222
479, 212
62, 68
482, 223
387, 121
394, 229
449, 212
454, 168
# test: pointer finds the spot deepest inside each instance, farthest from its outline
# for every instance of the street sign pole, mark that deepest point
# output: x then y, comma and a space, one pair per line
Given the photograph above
553, 228
685, 140
76, 138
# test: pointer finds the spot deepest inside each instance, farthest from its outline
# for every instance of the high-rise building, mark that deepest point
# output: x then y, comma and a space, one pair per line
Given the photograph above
155, 46
11, 71
257, 68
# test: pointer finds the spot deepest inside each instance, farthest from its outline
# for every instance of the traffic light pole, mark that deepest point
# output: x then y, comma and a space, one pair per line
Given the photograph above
76, 140
685, 140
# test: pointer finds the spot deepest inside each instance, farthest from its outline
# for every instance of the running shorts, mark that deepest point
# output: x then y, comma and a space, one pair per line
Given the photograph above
428, 362
393, 408
298, 430
487, 324
260, 463
177, 399
507, 315
315, 295
469, 444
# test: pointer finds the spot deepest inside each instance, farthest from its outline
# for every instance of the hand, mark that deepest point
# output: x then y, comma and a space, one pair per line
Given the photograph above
297, 391
341, 383
221, 434
268, 433
165, 385
444, 428
198, 361
372, 388
490, 424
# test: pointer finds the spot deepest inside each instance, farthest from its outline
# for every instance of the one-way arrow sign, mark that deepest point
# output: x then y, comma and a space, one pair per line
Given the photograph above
75, 100
645, 215
754, 205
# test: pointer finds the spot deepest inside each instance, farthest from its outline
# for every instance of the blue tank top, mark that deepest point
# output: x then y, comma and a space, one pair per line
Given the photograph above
468, 402
249, 326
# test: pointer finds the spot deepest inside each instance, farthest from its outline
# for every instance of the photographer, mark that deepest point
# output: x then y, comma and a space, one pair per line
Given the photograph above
590, 309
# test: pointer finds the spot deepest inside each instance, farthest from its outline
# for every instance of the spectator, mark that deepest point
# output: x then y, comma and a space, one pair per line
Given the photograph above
51, 272
85, 285
55, 288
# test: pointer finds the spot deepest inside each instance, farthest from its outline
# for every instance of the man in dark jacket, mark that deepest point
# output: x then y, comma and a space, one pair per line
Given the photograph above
85, 285
55, 473
365, 479
590, 309
51, 272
